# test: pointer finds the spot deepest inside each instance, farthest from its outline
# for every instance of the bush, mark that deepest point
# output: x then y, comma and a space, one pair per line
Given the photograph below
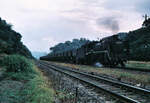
17, 63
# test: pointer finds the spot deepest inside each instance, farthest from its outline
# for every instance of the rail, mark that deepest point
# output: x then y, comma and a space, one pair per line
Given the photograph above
109, 83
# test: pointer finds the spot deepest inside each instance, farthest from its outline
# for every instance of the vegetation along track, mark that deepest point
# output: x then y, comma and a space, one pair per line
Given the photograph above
132, 69
122, 91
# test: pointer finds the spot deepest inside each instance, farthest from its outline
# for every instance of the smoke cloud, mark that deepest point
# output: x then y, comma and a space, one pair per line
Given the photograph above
110, 23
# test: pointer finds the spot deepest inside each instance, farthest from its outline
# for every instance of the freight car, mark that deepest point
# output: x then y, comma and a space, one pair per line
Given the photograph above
109, 51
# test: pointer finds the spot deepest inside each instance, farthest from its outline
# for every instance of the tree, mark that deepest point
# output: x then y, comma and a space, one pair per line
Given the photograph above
10, 41
68, 45
146, 22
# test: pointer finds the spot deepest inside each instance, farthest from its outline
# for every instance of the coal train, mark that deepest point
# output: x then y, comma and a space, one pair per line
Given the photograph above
110, 51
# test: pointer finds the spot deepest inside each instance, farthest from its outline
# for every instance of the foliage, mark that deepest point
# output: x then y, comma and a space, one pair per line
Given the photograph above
37, 90
19, 76
138, 64
10, 41
139, 41
68, 45
26, 87
17, 63
146, 23
9, 90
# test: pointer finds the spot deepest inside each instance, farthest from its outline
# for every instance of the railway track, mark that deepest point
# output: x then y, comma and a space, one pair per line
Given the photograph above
124, 92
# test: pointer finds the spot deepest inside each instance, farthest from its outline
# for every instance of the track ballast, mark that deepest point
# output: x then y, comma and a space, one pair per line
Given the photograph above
124, 92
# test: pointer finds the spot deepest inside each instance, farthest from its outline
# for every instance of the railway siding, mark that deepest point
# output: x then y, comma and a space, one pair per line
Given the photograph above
114, 82
140, 79
119, 92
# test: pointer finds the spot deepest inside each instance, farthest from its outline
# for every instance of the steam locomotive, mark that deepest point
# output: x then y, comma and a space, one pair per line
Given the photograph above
110, 51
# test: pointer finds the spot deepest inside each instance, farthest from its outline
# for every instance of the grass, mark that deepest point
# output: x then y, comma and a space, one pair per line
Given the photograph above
138, 64
9, 91
31, 89
25, 87
38, 90
124, 75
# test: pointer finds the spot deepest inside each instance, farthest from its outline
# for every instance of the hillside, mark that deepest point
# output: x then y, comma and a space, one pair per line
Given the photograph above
10, 41
139, 41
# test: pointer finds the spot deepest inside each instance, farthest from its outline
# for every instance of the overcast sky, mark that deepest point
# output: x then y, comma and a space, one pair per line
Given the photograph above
44, 23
